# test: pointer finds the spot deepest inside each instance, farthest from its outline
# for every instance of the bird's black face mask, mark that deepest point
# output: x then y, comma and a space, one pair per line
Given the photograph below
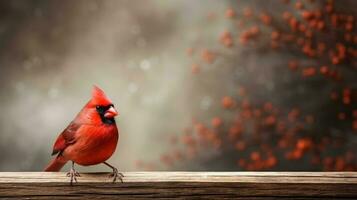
104, 113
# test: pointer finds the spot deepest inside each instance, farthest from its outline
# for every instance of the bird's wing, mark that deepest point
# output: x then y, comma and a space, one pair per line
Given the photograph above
67, 137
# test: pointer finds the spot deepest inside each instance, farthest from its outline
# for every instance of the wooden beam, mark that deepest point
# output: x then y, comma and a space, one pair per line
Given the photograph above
209, 185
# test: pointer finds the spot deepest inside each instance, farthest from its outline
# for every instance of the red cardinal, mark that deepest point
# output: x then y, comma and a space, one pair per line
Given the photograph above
90, 139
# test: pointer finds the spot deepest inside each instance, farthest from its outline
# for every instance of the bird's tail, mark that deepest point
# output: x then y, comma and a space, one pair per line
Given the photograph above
56, 164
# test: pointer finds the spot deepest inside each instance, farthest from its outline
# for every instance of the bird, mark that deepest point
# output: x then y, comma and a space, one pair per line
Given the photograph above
90, 139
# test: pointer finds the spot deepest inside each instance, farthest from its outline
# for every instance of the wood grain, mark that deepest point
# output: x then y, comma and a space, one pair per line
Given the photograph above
184, 185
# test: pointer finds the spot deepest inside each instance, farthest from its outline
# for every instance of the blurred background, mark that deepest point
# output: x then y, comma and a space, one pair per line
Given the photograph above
200, 85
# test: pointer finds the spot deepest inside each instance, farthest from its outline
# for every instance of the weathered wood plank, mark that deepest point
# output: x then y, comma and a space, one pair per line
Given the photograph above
203, 185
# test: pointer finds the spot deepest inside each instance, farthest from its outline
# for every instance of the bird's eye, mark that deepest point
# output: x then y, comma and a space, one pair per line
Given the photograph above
97, 107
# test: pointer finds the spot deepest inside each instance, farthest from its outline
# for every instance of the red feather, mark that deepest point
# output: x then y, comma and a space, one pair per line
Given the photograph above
67, 137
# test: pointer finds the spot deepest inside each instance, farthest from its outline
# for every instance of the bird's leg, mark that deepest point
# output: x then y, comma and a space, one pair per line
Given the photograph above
115, 173
73, 174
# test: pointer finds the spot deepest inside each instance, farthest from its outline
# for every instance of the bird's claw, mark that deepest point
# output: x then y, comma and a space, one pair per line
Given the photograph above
116, 175
73, 174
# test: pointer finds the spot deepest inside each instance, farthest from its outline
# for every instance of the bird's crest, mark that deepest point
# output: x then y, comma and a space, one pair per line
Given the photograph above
99, 97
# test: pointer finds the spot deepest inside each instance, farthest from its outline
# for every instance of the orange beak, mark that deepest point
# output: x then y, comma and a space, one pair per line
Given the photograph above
110, 113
